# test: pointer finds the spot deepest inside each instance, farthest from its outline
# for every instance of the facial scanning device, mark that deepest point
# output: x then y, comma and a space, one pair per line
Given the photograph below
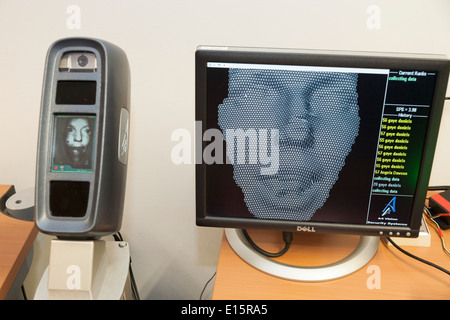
83, 139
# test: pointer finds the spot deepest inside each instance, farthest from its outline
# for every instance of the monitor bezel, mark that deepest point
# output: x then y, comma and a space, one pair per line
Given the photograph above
438, 63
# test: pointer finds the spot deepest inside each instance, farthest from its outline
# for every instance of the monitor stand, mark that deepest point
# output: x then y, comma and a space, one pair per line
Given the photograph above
363, 253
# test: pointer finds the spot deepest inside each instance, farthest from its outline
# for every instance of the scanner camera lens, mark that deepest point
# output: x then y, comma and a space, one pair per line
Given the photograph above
82, 60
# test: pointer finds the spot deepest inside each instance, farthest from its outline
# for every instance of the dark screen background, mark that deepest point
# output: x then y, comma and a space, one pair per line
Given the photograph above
76, 92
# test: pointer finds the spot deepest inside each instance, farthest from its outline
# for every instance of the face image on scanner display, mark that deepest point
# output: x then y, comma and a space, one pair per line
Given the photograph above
316, 115
73, 142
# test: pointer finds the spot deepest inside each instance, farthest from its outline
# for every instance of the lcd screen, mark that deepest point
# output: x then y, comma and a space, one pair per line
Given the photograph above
69, 198
73, 143
76, 92
315, 144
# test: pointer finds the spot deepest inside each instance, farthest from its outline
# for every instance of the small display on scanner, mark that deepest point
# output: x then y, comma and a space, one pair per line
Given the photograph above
73, 143
76, 92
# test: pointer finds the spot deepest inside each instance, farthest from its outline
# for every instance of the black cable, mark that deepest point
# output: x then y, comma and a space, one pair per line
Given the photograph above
134, 289
24, 293
417, 258
433, 188
118, 236
287, 237
204, 287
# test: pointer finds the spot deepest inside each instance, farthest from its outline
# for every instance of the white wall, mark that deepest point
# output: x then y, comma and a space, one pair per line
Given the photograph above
173, 258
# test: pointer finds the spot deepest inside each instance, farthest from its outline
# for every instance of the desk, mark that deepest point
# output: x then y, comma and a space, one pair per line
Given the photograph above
397, 275
16, 239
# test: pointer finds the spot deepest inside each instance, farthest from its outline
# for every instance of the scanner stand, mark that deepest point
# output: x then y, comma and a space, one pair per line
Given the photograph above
86, 270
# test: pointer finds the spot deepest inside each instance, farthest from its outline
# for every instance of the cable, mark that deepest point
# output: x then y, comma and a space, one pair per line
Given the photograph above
433, 188
287, 237
134, 289
430, 217
417, 258
201, 294
24, 293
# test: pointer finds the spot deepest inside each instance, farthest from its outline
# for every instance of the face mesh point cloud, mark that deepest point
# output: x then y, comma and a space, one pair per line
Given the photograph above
316, 118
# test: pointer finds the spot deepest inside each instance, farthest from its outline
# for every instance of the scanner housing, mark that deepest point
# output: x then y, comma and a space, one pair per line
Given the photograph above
83, 139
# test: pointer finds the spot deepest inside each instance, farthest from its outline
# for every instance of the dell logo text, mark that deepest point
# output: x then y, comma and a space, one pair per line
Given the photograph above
306, 229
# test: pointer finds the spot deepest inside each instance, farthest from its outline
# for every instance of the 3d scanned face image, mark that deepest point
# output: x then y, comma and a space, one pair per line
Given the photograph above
316, 117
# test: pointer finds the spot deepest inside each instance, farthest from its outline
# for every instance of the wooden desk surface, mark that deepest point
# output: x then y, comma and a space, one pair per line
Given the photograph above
16, 239
399, 276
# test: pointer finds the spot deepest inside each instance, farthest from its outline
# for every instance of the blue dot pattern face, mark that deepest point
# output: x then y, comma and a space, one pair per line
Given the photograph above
316, 120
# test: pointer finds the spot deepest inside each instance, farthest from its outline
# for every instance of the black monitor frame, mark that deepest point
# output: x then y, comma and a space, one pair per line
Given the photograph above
438, 64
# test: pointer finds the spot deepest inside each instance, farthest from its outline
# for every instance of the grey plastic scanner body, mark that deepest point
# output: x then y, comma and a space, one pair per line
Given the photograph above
83, 201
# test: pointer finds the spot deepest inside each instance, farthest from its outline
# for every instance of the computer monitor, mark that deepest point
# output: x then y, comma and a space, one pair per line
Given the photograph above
316, 141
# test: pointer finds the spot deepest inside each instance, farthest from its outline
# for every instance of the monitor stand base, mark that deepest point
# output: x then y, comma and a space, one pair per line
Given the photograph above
363, 253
